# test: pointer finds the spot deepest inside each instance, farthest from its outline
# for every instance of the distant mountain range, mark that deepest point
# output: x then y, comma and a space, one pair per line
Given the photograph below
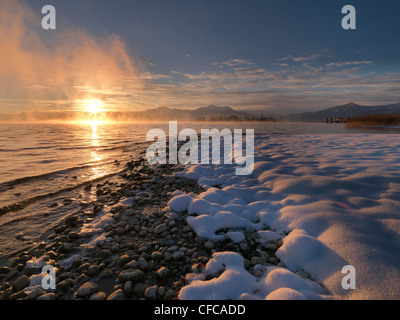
210, 113
349, 110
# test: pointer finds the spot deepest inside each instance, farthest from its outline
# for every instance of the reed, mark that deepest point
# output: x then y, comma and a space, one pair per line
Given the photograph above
379, 120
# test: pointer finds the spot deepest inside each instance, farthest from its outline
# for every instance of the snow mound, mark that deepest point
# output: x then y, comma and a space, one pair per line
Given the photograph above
336, 196
233, 282
180, 203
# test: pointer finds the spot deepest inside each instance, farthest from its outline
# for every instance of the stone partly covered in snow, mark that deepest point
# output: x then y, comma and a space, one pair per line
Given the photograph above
231, 281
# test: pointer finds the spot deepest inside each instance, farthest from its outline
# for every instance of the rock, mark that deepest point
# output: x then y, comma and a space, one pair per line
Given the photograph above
161, 292
173, 249
139, 289
87, 289
244, 246
129, 212
18, 295
47, 296
21, 283
65, 285
133, 275
128, 286
74, 235
52, 255
169, 295
98, 296
93, 270
66, 248
104, 254
177, 255
161, 228
151, 293
117, 295
272, 260
258, 273
256, 260
81, 280
132, 265
123, 260
163, 273
143, 264
105, 273
4, 270
35, 293
264, 256
209, 245
156, 256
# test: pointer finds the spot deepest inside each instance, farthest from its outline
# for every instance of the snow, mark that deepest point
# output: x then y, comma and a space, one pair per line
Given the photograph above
236, 236
231, 281
180, 203
333, 200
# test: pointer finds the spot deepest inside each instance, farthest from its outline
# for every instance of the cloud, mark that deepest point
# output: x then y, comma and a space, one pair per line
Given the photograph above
38, 66
58, 69
233, 63
310, 57
348, 63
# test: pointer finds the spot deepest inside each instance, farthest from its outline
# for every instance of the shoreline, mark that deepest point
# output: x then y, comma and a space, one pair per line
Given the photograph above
140, 250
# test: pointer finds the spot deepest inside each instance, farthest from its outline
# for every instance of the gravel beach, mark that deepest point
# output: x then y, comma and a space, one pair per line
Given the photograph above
144, 250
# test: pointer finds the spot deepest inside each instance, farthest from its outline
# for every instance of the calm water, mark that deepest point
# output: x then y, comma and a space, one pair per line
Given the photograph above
43, 164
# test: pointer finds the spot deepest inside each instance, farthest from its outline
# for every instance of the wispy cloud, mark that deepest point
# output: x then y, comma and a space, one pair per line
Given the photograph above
347, 63
233, 63
309, 57
74, 66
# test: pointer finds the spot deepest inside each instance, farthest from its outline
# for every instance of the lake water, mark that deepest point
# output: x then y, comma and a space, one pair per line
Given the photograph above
42, 164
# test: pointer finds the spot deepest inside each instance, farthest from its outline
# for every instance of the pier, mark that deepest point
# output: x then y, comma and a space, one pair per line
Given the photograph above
337, 120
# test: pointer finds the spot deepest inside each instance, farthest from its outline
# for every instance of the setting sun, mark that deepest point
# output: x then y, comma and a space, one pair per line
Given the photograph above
93, 106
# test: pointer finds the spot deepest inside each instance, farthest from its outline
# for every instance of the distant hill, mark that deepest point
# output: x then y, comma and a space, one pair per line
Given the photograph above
345, 111
210, 113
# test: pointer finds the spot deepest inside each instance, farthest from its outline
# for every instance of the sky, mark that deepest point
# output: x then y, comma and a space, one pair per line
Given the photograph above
278, 56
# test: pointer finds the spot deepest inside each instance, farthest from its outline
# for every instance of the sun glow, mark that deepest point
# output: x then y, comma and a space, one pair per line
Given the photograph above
93, 106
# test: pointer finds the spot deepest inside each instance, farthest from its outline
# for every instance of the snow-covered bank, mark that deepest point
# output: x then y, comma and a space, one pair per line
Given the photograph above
336, 196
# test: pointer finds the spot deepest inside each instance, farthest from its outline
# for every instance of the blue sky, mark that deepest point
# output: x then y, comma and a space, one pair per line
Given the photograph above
276, 55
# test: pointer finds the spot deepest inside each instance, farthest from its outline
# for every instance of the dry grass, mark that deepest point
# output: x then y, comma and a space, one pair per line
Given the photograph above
380, 120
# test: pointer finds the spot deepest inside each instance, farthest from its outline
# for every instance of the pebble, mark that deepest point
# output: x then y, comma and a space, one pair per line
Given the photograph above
4, 270
156, 256
35, 293
161, 228
21, 283
209, 245
177, 255
128, 286
151, 293
163, 273
117, 295
153, 247
132, 265
87, 289
47, 296
98, 296
143, 264
133, 275
124, 259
